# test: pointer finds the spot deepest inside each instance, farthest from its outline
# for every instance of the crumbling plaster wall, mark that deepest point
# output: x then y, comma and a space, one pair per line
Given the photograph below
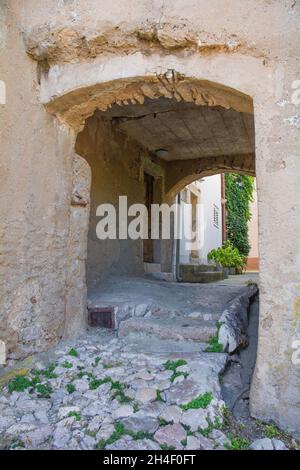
117, 170
251, 48
36, 182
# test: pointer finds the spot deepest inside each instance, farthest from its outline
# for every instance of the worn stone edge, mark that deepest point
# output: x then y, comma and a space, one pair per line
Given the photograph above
235, 318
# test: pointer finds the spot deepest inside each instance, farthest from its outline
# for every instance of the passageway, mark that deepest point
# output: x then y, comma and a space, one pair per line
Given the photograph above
148, 149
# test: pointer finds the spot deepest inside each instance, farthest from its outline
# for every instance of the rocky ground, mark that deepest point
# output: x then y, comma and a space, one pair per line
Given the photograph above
160, 381
99, 393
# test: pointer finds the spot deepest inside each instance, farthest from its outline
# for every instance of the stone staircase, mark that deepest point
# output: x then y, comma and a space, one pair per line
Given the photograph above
164, 331
178, 329
200, 273
174, 317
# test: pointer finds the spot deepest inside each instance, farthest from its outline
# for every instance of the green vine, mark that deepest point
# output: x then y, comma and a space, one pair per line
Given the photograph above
239, 195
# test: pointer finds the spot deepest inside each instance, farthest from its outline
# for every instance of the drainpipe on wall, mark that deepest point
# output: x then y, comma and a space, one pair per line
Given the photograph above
223, 204
177, 244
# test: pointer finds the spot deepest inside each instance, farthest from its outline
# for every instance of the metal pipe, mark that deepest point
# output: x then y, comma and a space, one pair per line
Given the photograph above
179, 216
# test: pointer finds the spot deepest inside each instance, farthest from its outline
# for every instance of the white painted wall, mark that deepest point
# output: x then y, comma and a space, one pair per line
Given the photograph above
208, 191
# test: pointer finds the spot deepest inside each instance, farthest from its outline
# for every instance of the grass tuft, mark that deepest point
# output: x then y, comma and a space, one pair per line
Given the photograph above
19, 384
74, 414
237, 443
67, 365
213, 345
202, 401
73, 352
70, 388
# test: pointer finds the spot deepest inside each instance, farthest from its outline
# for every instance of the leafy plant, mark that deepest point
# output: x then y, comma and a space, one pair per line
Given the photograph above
75, 414
136, 407
272, 432
70, 388
206, 431
159, 396
178, 374
43, 390
202, 401
82, 374
140, 435
73, 353
96, 383
97, 360
48, 372
172, 365
213, 345
217, 424
120, 394
67, 365
108, 366
122, 397
100, 445
227, 415
237, 443
22, 383
166, 447
121, 431
117, 434
19, 384
239, 195
116, 386
18, 444
162, 422
227, 256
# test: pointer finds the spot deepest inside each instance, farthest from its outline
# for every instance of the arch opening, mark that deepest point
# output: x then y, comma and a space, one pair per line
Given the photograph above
178, 131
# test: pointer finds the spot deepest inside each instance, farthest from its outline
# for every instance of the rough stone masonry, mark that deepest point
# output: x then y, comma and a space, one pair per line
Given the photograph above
78, 60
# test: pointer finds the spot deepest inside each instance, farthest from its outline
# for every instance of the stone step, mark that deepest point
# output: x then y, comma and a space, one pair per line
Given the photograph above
202, 268
147, 343
193, 273
171, 329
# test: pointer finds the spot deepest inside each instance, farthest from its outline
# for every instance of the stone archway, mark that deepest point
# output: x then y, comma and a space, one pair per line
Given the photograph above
76, 108
79, 50
183, 173
72, 92
107, 101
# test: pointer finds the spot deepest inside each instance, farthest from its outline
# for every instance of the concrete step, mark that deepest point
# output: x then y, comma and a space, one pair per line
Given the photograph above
197, 273
170, 329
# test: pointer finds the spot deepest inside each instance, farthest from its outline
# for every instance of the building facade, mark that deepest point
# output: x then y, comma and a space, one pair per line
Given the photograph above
202, 221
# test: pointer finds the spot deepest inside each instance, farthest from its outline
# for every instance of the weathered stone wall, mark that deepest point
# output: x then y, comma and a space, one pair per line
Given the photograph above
76, 253
252, 48
36, 180
117, 170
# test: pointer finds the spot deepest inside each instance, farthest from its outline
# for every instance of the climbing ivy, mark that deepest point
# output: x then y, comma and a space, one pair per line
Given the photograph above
239, 195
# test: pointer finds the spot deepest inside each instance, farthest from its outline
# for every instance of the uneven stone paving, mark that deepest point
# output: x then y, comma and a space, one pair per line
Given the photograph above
106, 396
96, 393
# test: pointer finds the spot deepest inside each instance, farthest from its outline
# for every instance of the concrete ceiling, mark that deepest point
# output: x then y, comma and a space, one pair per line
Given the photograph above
184, 129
